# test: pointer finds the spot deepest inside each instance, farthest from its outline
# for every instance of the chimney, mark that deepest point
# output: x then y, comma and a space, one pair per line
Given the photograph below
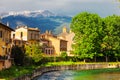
8, 24
0, 19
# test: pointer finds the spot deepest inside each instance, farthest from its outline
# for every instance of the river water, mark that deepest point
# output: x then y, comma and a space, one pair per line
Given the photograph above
80, 75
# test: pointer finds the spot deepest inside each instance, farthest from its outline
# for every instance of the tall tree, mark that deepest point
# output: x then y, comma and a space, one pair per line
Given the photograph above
17, 54
111, 39
88, 33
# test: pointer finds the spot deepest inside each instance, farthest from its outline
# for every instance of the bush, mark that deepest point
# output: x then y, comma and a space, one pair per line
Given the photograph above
64, 55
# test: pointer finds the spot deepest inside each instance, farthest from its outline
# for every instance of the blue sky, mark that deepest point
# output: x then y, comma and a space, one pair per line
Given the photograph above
64, 7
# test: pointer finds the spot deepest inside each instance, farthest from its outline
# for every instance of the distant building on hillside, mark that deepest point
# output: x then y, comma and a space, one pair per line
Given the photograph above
68, 37
54, 45
5, 46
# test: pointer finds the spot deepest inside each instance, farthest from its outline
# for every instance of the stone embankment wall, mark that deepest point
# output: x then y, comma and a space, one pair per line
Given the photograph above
42, 70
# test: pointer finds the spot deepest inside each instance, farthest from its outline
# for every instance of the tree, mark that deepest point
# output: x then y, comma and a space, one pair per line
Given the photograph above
17, 54
88, 33
111, 39
34, 52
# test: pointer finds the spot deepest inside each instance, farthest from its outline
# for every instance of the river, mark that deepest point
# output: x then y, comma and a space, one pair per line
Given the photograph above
81, 75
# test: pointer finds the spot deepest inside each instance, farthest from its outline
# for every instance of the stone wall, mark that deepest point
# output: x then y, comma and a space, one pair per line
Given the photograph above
42, 70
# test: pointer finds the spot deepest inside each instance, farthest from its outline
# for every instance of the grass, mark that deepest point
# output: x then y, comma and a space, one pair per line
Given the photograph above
70, 63
58, 63
15, 71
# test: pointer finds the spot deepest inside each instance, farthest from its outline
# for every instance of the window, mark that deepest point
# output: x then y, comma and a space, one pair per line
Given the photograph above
21, 34
19, 42
6, 51
9, 50
35, 36
31, 35
13, 35
3, 64
1, 34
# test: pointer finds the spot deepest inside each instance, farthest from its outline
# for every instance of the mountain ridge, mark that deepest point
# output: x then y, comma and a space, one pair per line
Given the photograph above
43, 19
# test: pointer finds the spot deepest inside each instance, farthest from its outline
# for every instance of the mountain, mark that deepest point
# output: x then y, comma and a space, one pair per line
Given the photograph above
43, 19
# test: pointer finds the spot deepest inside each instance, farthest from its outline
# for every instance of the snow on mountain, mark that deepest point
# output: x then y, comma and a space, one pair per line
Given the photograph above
44, 13
43, 19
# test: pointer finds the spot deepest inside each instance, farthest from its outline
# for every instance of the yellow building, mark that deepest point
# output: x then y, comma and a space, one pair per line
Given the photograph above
5, 46
68, 37
24, 34
56, 45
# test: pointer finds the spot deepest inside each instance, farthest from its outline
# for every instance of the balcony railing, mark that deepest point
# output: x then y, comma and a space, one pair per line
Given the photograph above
4, 57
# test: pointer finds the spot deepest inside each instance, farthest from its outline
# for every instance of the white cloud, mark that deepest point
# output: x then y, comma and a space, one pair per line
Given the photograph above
70, 7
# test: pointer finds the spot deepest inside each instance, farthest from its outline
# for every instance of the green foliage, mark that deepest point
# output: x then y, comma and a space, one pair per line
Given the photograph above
95, 36
17, 54
15, 71
34, 52
111, 39
64, 55
88, 32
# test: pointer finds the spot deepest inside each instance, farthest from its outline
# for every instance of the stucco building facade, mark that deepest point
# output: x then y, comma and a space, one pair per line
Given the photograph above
25, 35
56, 45
5, 46
68, 36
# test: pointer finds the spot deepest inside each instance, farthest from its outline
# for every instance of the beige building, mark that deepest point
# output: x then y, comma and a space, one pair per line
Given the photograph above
68, 37
5, 46
24, 34
56, 45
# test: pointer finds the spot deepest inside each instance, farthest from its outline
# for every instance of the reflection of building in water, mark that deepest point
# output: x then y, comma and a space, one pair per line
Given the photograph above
5, 46
68, 37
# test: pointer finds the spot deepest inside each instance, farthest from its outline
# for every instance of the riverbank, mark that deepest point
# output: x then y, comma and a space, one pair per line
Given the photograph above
15, 71
33, 71
101, 74
89, 66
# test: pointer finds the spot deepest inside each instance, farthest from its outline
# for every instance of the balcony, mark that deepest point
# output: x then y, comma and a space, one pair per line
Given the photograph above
7, 41
2, 58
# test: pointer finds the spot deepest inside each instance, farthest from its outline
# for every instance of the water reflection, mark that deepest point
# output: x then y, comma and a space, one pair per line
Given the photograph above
79, 75
57, 75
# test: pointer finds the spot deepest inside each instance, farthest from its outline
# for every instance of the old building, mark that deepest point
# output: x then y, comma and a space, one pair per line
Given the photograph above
24, 34
54, 45
68, 36
47, 48
5, 46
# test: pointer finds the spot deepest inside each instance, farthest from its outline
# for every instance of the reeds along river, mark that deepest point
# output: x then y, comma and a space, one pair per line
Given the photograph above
99, 74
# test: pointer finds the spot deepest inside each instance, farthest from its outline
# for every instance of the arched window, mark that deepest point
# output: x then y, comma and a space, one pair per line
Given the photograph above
13, 35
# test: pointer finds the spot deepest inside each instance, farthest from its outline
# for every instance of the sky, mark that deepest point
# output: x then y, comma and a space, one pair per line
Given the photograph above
63, 7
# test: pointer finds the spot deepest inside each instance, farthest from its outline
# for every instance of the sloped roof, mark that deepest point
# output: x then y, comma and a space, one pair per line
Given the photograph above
34, 29
6, 26
63, 34
28, 28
